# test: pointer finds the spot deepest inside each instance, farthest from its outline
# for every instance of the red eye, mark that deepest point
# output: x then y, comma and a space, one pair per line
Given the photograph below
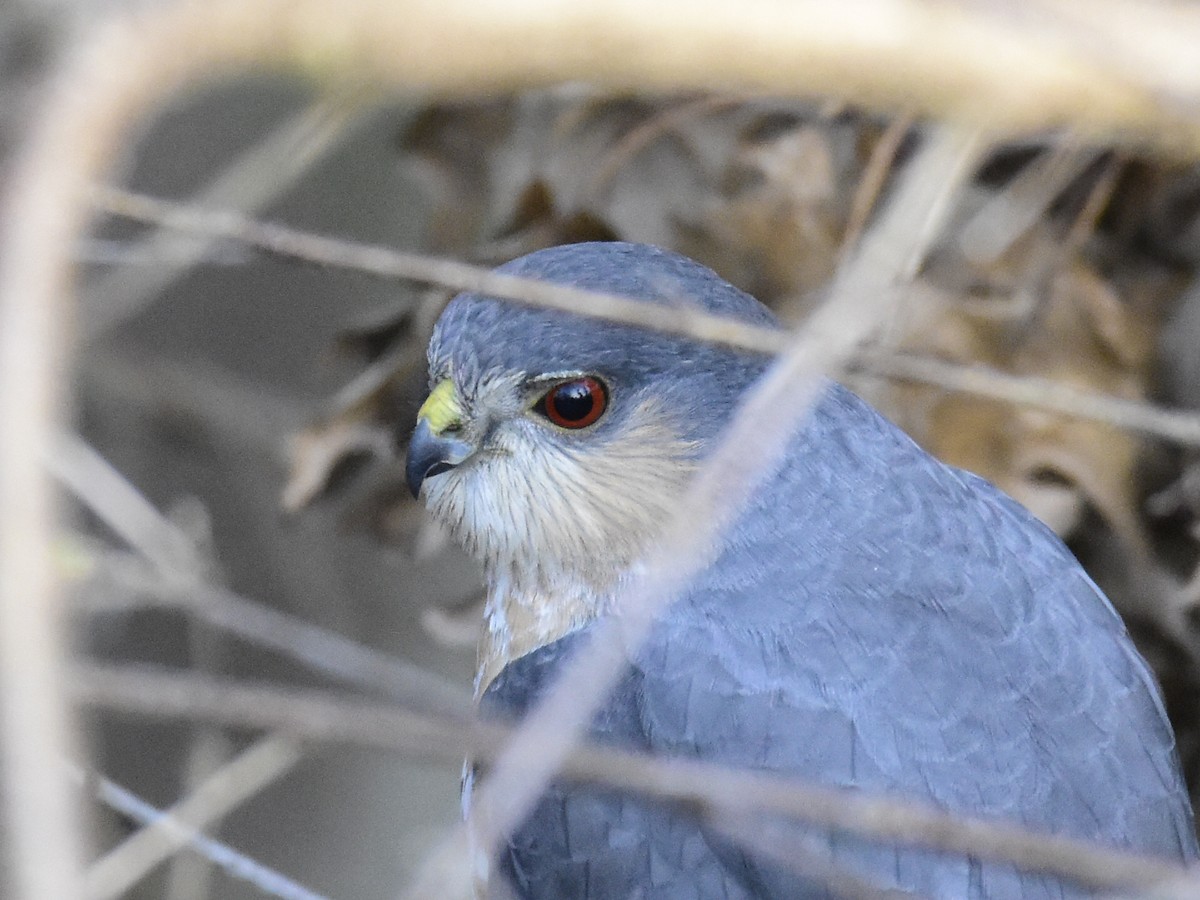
574, 404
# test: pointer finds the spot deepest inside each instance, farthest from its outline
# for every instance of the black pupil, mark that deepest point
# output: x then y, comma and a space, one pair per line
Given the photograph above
573, 401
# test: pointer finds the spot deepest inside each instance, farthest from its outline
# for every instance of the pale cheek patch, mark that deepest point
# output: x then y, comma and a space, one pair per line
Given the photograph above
546, 509
557, 523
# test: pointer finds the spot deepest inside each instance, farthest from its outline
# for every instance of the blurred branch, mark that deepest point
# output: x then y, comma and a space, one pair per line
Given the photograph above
804, 856
969, 63
383, 262
318, 648
248, 183
234, 864
127, 254
232, 784
189, 875
748, 451
703, 789
1039, 393
871, 183
637, 139
1154, 55
229, 410
178, 577
960, 61
990, 233
91, 478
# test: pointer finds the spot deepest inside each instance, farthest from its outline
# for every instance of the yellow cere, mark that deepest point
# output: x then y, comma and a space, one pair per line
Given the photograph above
442, 409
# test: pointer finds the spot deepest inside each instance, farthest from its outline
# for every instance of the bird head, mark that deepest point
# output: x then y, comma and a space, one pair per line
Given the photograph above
553, 446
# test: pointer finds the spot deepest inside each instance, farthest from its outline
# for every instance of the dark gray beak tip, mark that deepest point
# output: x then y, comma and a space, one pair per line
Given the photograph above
415, 478
429, 455
416, 474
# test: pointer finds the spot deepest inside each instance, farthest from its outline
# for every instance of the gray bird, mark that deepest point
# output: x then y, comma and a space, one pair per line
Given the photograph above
875, 619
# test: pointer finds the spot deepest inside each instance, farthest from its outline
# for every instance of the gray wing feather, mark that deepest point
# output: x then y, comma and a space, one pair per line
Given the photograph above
877, 620
881, 621
596, 844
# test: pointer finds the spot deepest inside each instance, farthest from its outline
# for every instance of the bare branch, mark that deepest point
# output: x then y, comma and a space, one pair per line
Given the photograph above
643, 135
189, 876
957, 60
1155, 57
993, 229
1067, 400
385, 262
874, 176
704, 789
1040, 393
178, 578
248, 183
320, 649
41, 819
235, 782
90, 477
804, 856
234, 864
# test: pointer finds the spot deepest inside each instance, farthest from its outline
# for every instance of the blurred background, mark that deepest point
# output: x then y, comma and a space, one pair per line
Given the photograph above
261, 404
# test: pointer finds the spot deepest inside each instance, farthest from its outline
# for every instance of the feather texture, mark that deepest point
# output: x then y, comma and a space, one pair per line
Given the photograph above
875, 619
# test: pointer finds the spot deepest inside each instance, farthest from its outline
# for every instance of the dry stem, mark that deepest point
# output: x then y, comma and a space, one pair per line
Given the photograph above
384, 262
718, 793
955, 60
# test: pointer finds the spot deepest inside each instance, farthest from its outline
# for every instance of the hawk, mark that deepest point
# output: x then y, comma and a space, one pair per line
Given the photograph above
874, 619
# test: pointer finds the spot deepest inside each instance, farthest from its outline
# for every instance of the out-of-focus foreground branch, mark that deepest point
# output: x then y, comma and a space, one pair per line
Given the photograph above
707, 790
237, 865
385, 262
965, 63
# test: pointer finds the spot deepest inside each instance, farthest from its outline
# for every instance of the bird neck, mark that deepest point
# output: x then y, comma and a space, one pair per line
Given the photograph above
521, 615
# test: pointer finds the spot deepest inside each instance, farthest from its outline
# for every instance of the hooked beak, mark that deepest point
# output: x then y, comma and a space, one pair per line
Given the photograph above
433, 448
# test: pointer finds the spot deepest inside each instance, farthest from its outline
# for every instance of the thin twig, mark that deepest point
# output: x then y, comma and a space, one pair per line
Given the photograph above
644, 133
266, 761
179, 579
127, 254
1040, 393
1031, 295
1084, 224
803, 855
233, 863
385, 262
248, 183
704, 789
871, 182
90, 477
189, 876
321, 649
750, 449
953, 59
1013, 211
1182, 427
234, 413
